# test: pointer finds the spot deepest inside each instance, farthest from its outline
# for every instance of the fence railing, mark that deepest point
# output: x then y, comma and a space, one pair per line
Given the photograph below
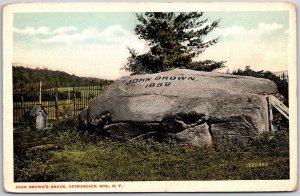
284, 77
83, 95
274, 102
58, 102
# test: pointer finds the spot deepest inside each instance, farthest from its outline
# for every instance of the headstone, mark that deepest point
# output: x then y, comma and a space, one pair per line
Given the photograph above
183, 106
40, 121
40, 115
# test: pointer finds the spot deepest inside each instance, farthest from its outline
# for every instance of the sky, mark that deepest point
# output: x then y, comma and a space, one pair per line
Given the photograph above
96, 44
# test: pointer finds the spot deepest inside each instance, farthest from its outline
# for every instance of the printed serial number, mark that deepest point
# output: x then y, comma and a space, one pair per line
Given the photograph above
257, 164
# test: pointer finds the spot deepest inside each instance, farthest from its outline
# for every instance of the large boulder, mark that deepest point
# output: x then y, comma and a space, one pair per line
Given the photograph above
182, 106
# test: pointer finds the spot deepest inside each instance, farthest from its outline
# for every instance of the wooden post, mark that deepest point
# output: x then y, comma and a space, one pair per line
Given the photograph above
40, 93
270, 112
74, 96
56, 103
22, 109
69, 96
22, 102
271, 118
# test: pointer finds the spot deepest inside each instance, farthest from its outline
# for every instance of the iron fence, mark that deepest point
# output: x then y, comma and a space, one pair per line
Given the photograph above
58, 102
284, 77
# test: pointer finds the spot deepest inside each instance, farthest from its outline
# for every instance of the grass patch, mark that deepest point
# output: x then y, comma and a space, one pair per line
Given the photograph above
77, 157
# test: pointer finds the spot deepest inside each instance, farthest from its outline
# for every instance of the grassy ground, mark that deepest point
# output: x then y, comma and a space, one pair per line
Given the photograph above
64, 154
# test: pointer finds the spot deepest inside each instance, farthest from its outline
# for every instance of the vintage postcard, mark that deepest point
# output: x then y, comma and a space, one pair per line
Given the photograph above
149, 97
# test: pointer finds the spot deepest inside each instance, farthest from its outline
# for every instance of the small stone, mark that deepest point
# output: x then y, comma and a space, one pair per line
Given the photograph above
105, 127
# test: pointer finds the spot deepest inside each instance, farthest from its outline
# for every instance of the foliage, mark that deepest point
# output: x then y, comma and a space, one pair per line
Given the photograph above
26, 77
81, 157
282, 84
174, 39
207, 65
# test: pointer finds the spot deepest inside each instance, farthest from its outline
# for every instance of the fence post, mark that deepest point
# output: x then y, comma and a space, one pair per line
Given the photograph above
271, 117
56, 103
74, 103
69, 95
40, 93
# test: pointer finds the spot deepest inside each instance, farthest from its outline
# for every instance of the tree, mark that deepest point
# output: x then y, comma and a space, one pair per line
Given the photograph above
174, 39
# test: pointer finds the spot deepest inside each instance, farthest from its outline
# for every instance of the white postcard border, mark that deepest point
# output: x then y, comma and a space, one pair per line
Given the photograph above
147, 186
